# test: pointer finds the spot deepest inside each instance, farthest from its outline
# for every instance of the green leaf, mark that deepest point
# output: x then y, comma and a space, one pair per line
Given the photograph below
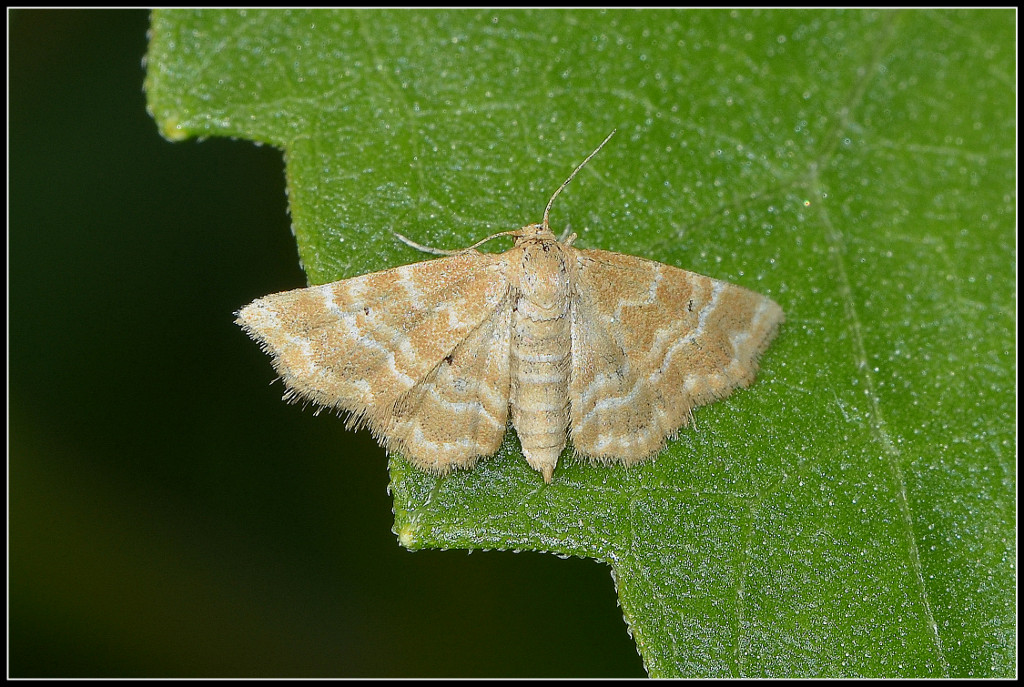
852, 513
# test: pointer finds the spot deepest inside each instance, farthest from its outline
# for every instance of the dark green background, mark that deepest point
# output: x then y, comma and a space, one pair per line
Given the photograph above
169, 515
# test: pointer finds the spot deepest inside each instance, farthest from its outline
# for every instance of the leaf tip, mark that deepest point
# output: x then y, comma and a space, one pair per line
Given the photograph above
172, 130
407, 536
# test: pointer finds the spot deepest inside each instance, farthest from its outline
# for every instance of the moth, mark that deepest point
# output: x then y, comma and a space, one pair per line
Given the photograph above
608, 350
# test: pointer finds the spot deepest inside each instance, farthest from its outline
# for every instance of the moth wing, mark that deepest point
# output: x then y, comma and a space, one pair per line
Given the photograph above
650, 343
359, 344
459, 410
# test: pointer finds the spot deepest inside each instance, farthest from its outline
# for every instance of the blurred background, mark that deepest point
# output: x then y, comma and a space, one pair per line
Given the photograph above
169, 515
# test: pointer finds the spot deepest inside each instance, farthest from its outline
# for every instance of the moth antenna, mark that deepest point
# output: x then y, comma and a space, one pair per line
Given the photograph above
575, 171
424, 249
440, 251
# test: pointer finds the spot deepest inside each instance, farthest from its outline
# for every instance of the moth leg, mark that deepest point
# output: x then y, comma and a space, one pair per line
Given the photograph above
567, 236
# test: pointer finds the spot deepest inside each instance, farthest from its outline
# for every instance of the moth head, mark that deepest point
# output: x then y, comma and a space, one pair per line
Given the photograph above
533, 232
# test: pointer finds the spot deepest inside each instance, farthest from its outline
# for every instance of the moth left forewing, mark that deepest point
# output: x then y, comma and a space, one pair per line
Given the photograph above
650, 343
358, 344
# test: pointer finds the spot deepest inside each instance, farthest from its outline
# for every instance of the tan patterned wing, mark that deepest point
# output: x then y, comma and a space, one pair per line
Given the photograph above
650, 343
362, 344
459, 411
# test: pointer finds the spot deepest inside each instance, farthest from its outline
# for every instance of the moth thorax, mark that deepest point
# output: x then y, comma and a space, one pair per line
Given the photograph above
542, 277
